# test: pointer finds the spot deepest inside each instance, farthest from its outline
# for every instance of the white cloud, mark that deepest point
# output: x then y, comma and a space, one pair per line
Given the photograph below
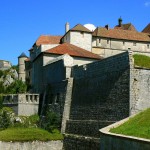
91, 27
147, 4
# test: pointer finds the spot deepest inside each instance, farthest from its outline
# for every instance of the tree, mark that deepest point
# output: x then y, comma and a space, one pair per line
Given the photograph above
16, 87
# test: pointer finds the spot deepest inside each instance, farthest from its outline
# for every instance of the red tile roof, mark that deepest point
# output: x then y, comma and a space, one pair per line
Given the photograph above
147, 29
72, 50
28, 59
80, 27
47, 39
127, 26
121, 34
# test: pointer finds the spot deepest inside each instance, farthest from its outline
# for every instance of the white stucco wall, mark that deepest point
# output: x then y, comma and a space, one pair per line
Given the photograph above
120, 44
47, 58
66, 38
109, 47
81, 39
45, 47
81, 61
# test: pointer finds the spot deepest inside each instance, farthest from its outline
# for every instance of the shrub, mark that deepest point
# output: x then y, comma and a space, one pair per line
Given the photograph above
51, 121
1, 73
2, 88
26, 121
16, 87
7, 117
1, 101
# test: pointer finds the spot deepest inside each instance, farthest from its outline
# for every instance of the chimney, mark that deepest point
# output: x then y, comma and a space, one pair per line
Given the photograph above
107, 26
67, 27
120, 22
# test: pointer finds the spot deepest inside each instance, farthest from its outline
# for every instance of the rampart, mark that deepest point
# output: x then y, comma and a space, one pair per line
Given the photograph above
22, 104
140, 90
100, 96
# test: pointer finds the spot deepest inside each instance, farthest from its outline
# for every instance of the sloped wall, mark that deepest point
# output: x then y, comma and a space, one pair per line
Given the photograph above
101, 90
100, 97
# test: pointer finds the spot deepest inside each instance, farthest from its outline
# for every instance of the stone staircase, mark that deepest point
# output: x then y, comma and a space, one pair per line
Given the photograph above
83, 134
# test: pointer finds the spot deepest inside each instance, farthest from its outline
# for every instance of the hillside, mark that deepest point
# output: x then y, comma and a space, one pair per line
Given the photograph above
138, 126
9, 83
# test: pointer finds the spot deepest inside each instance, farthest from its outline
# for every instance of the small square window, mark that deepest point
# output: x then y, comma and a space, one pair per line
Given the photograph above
134, 44
107, 41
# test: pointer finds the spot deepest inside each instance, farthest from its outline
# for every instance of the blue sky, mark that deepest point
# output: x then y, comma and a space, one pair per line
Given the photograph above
23, 21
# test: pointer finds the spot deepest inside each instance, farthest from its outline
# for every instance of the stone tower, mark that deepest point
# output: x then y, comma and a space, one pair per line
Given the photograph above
21, 64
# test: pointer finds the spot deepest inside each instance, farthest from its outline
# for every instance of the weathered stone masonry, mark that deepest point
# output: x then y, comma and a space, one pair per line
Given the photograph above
100, 97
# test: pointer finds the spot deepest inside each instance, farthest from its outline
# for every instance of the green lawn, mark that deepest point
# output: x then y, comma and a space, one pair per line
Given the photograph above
141, 60
138, 126
29, 134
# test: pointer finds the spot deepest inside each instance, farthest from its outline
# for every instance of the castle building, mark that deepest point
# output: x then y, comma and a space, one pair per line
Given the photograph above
21, 63
81, 45
107, 42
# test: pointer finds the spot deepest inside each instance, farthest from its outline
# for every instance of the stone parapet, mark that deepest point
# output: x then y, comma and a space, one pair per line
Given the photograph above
22, 104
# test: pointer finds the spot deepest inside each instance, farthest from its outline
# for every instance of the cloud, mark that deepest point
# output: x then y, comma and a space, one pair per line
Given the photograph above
147, 4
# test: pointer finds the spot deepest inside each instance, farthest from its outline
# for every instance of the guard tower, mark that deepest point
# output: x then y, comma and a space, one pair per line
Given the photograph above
21, 64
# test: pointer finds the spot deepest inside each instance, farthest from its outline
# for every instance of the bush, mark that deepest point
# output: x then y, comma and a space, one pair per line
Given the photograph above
51, 121
1, 101
27, 121
2, 88
16, 87
7, 117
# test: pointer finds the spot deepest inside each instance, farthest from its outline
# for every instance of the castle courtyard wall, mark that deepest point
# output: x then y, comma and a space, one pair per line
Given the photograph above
100, 96
140, 90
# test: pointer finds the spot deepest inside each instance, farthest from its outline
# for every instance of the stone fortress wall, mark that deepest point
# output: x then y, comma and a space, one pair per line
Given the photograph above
96, 95
100, 96
104, 92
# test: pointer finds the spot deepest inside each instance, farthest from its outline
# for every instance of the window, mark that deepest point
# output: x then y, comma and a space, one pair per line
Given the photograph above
148, 46
134, 44
99, 40
123, 43
82, 33
107, 41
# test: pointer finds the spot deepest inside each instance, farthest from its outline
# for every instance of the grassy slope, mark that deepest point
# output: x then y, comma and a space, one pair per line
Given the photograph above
28, 134
138, 126
141, 60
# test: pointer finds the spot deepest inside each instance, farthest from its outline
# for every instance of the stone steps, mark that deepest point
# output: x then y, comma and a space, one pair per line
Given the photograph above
86, 127
78, 142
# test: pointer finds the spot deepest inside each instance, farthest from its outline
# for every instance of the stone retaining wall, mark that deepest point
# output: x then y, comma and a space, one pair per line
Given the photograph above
35, 145
112, 141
